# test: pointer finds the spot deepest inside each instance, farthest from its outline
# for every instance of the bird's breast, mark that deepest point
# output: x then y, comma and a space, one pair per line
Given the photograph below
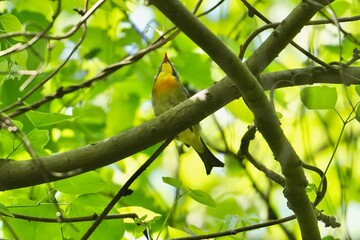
164, 84
167, 93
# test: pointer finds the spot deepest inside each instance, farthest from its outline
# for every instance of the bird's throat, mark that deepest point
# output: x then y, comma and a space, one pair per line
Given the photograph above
164, 84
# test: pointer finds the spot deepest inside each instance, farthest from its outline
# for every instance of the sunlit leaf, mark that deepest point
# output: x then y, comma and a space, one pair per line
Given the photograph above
11, 23
172, 181
239, 109
90, 182
89, 114
357, 89
232, 221
38, 139
341, 7
311, 187
195, 229
38, 54
20, 58
319, 97
176, 233
42, 119
121, 116
88, 205
357, 113
37, 230
329, 237
143, 213
5, 211
202, 197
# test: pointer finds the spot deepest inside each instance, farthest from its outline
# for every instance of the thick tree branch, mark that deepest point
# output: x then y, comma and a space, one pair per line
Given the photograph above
16, 174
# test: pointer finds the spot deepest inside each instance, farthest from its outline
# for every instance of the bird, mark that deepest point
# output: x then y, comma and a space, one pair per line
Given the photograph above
168, 92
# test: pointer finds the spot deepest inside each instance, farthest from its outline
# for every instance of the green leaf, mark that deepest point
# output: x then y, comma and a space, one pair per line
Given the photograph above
89, 114
357, 89
10, 23
9, 91
202, 197
357, 113
195, 229
176, 233
144, 214
89, 182
6, 143
311, 187
239, 109
20, 58
172, 181
232, 221
341, 7
90, 204
319, 97
122, 110
32, 229
42, 119
38, 54
329, 237
5, 211
38, 139
196, 61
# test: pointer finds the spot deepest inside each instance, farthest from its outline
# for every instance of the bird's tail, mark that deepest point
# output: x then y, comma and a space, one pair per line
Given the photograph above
209, 159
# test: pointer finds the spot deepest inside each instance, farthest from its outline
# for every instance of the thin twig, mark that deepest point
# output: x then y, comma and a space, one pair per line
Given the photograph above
69, 33
72, 219
19, 47
274, 25
239, 230
124, 191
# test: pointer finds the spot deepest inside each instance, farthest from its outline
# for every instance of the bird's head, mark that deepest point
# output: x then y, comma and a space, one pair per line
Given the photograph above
167, 67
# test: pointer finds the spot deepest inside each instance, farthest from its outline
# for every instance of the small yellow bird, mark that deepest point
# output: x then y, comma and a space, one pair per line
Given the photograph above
168, 92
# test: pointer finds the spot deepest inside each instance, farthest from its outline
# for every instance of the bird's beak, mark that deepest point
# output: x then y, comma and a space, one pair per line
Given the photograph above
166, 59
